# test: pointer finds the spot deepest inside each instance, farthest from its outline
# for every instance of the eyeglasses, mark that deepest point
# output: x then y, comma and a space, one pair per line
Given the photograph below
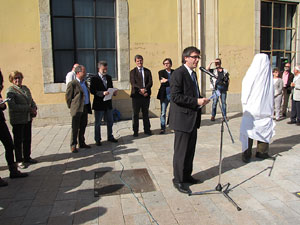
195, 56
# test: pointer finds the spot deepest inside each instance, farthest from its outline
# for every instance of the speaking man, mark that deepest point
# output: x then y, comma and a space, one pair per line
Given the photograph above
185, 117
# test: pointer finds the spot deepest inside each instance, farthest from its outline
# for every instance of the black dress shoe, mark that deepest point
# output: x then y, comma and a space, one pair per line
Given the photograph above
98, 143
246, 157
3, 183
291, 122
262, 155
135, 134
148, 132
30, 161
192, 180
74, 149
162, 132
113, 140
181, 187
84, 145
17, 174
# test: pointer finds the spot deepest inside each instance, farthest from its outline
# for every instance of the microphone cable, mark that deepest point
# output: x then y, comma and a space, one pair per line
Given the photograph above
127, 185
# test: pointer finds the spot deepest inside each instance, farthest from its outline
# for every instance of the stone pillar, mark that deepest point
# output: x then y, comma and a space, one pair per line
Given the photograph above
187, 24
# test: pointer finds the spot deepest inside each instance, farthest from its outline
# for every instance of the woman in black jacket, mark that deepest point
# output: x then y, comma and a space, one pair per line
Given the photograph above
164, 91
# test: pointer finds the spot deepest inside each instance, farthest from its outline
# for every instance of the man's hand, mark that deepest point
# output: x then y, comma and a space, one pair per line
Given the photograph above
115, 92
143, 91
2, 106
163, 80
145, 95
105, 93
203, 101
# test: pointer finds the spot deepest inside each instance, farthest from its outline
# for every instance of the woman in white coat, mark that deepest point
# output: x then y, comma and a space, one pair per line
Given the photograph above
257, 101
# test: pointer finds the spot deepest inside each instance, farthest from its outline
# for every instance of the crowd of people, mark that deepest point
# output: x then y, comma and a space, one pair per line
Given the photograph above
264, 98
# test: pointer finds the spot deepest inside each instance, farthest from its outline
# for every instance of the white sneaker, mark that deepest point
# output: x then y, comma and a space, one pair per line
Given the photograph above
21, 165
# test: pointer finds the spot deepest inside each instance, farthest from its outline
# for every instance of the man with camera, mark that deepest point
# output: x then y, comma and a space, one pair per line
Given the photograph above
221, 83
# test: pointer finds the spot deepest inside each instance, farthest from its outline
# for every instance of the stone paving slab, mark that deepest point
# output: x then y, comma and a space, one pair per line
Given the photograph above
60, 188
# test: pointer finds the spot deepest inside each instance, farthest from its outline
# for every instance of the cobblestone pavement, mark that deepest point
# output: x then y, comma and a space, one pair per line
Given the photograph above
60, 188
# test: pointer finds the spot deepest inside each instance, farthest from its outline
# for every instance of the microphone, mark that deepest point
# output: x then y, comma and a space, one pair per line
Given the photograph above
207, 72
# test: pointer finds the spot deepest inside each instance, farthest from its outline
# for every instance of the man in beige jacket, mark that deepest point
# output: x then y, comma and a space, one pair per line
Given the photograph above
78, 101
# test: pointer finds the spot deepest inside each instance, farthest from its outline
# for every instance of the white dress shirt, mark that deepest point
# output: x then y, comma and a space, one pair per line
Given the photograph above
70, 76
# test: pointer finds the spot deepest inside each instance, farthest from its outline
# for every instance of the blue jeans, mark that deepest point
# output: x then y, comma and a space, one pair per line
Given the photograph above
215, 102
109, 121
163, 105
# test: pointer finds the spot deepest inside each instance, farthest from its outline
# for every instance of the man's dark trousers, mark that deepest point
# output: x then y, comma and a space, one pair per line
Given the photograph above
140, 103
7, 141
184, 151
79, 123
295, 113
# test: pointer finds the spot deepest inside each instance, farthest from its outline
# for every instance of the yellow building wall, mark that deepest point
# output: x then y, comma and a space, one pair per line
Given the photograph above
153, 33
20, 47
236, 38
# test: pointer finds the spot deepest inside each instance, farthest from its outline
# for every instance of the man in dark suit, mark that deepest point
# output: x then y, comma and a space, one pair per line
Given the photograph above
185, 117
141, 83
99, 86
78, 101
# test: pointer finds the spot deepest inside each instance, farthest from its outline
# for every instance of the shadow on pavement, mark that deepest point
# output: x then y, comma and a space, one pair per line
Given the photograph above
235, 161
63, 186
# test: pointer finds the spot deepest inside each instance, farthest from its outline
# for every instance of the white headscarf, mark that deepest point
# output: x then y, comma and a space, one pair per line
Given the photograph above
257, 102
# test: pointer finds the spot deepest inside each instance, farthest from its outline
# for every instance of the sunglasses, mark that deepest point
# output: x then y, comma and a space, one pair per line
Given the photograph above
195, 57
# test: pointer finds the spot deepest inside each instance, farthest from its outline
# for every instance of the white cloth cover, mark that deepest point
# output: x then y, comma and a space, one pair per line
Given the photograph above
257, 102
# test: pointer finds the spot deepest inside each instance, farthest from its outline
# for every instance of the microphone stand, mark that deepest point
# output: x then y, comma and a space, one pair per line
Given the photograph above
221, 189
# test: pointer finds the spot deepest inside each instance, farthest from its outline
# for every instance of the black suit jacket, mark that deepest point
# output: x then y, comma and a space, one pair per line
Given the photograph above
184, 110
97, 88
136, 82
2, 118
162, 93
